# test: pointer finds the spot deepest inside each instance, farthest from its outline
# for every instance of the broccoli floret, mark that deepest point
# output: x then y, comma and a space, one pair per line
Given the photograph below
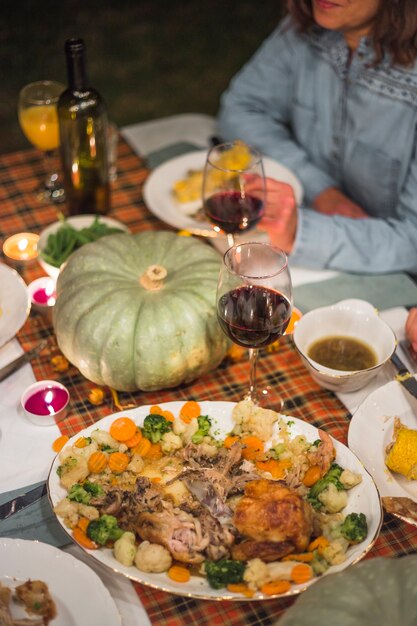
224, 572
332, 476
204, 425
104, 529
354, 527
77, 493
154, 426
84, 493
94, 489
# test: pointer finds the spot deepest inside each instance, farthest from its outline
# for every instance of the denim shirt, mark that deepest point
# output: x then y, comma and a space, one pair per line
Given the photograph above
335, 123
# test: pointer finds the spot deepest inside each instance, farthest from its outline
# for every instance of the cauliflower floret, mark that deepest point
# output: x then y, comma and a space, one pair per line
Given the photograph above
256, 574
208, 449
151, 557
73, 470
124, 549
72, 511
104, 438
170, 442
185, 431
254, 420
299, 445
335, 552
177, 491
332, 499
136, 464
77, 452
349, 479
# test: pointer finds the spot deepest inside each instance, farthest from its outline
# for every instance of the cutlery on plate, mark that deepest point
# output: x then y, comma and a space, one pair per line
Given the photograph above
404, 376
21, 502
21, 360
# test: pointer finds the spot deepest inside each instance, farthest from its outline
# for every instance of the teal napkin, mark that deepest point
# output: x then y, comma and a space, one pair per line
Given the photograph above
37, 521
169, 152
383, 291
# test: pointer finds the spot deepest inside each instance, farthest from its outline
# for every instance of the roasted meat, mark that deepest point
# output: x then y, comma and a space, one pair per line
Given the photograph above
271, 512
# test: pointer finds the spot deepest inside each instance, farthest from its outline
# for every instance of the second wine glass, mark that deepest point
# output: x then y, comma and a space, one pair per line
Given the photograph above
254, 300
229, 201
37, 110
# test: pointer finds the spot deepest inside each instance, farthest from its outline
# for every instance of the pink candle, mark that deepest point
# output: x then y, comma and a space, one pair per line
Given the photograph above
45, 296
47, 401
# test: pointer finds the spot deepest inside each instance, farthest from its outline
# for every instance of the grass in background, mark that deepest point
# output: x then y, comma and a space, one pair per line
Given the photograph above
148, 58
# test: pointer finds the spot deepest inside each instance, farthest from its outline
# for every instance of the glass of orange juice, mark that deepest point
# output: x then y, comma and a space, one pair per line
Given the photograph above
37, 110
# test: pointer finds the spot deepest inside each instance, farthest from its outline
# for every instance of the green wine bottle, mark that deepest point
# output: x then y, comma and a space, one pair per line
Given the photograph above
82, 120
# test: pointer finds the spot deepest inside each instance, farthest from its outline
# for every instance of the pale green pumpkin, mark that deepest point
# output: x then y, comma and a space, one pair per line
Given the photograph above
139, 311
378, 592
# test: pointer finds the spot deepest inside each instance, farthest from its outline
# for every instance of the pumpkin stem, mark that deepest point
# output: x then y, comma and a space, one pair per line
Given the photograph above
153, 278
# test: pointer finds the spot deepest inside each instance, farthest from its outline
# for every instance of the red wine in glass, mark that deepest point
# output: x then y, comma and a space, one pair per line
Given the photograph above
254, 301
234, 212
253, 316
230, 171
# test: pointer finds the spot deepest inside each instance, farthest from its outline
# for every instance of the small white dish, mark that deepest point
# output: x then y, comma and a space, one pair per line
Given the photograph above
14, 303
350, 318
42, 293
78, 222
68, 580
45, 401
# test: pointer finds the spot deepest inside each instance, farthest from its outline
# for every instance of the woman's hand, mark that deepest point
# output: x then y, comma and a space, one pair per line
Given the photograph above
331, 201
411, 328
280, 215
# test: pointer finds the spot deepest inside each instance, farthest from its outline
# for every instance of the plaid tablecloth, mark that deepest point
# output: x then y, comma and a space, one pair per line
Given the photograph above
20, 175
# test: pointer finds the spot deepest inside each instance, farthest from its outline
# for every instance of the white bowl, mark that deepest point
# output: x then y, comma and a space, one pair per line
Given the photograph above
350, 318
78, 222
39, 414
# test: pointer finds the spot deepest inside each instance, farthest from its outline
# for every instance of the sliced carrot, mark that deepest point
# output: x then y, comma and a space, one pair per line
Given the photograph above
252, 447
135, 440
179, 574
312, 475
154, 452
301, 573
169, 416
156, 479
97, 462
230, 440
122, 429
82, 539
83, 523
155, 410
303, 557
81, 442
276, 587
276, 468
118, 461
318, 544
143, 447
59, 443
240, 588
190, 410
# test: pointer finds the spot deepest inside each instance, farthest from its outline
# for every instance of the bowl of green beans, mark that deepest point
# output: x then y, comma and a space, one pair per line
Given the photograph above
59, 240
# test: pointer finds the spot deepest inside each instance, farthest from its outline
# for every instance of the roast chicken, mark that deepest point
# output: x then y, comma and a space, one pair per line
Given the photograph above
273, 521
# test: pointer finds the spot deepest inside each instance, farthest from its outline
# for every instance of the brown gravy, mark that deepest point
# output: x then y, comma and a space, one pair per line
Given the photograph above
342, 353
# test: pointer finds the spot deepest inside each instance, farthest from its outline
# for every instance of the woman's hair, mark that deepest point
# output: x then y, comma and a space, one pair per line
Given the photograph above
394, 29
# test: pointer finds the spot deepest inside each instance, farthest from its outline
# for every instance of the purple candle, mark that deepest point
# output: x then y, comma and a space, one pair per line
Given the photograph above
47, 401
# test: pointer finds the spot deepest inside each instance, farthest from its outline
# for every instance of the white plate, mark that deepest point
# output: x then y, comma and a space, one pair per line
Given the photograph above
161, 202
363, 498
14, 303
371, 430
81, 598
78, 222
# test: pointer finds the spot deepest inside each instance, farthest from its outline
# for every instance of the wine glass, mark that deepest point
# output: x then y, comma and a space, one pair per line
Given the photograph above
254, 299
229, 171
37, 111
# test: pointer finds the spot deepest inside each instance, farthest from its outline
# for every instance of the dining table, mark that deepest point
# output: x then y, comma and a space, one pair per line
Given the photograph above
26, 452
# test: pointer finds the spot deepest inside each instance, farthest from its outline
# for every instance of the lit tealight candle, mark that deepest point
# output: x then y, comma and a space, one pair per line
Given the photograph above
42, 292
21, 247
